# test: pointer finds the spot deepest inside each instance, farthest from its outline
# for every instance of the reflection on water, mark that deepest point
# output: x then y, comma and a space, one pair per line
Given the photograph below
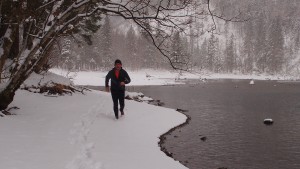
230, 114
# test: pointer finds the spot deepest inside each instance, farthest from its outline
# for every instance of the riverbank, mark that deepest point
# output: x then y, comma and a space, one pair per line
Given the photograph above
80, 131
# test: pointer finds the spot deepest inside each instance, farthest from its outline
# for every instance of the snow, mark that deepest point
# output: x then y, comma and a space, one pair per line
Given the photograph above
268, 120
157, 77
41, 80
80, 132
137, 77
138, 96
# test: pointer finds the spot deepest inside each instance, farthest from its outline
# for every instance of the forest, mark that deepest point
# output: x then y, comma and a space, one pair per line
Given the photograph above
265, 40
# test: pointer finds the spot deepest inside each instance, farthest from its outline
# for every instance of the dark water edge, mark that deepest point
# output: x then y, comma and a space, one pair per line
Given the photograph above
163, 139
229, 114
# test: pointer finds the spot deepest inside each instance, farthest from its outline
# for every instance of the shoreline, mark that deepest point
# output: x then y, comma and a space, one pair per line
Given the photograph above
162, 138
146, 77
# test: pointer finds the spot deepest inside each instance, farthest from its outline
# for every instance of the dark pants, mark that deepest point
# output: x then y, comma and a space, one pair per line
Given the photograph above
118, 96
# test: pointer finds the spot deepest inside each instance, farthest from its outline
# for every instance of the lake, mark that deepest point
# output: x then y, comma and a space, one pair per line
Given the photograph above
230, 114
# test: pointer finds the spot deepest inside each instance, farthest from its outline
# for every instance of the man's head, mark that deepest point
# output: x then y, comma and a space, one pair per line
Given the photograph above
118, 64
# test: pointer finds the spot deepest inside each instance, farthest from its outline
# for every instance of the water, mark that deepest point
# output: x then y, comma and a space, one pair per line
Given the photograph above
230, 114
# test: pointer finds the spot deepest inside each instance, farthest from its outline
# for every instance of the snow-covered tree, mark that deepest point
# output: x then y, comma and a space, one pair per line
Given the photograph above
248, 47
275, 58
260, 44
212, 52
131, 46
119, 45
230, 56
104, 43
297, 43
218, 64
179, 49
202, 60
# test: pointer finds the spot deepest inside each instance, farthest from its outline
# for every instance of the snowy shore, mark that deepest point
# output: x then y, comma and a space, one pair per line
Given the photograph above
158, 77
80, 132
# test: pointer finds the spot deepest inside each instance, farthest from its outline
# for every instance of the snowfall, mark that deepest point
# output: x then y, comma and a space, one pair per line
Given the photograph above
79, 131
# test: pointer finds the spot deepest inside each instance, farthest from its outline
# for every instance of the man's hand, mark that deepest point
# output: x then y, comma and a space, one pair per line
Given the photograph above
107, 89
122, 84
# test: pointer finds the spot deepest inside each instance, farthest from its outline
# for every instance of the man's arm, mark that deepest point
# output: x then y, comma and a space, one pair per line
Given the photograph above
127, 78
107, 77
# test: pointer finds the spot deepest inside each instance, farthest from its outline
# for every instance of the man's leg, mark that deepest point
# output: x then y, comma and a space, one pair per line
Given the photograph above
122, 102
115, 100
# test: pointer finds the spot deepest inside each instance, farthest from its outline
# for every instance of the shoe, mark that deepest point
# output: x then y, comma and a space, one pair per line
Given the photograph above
117, 117
122, 113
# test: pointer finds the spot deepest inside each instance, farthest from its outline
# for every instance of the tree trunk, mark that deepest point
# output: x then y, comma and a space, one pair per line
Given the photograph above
6, 97
17, 79
8, 34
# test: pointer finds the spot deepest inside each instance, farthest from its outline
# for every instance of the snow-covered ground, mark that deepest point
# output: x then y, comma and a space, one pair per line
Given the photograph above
157, 77
80, 132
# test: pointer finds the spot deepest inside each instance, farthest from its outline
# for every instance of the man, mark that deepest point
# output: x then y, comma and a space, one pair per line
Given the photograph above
118, 78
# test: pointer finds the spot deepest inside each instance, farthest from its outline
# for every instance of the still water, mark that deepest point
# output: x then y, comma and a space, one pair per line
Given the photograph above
230, 114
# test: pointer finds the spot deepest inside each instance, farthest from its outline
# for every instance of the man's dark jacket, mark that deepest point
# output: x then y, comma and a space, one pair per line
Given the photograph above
115, 82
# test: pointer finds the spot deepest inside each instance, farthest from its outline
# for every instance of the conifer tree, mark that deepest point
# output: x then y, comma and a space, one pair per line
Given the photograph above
297, 43
230, 56
203, 56
105, 44
212, 52
248, 47
148, 49
275, 58
260, 44
218, 65
131, 48
178, 54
